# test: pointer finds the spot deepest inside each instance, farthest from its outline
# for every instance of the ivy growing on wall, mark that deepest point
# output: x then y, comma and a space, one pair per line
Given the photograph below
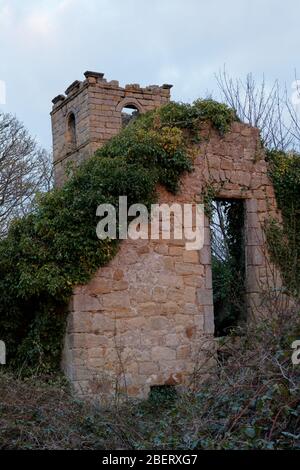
284, 239
55, 248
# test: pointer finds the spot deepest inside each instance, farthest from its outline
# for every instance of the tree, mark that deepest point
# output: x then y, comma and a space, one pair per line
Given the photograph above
25, 169
266, 107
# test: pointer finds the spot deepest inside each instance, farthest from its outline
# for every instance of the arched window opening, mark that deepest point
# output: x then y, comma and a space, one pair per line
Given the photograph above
71, 130
129, 113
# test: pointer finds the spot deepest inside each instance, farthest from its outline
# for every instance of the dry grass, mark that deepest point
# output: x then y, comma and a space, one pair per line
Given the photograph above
250, 401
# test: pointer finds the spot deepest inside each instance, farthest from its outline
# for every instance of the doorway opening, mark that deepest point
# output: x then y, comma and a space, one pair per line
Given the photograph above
129, 113
228, 264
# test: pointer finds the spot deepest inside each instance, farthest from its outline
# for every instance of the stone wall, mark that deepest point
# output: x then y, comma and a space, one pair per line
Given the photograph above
97, 107
147, 318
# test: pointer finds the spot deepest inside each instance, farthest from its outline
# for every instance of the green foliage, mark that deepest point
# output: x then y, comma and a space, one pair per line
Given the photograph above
161, 395
220, 115
188, 116
50, 251
209, 194
224, 284
284, 240
161, 151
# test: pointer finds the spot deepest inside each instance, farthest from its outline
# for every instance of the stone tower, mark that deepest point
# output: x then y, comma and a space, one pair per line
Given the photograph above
90, 113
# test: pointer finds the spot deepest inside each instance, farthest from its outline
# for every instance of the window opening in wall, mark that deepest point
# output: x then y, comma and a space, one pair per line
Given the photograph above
129, 113
228, 264
71, 129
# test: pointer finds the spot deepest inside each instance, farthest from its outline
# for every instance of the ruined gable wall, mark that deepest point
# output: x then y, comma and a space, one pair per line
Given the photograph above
147, 318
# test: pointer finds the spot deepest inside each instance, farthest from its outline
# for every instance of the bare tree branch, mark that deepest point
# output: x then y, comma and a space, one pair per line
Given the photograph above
25, 169
267, 108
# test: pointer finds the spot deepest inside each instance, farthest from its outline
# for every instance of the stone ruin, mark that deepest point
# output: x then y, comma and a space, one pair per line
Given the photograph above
147, 318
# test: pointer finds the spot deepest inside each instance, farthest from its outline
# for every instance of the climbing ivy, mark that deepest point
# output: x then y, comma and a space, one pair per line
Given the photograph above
55, 248
284, 239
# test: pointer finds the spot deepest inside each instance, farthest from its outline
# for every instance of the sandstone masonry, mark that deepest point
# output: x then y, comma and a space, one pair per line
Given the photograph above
95, 106
147, 317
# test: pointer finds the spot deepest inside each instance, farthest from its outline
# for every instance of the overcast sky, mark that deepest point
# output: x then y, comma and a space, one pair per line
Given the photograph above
47, 44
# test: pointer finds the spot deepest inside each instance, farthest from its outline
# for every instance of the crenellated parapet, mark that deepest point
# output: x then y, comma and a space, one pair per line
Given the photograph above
90, 113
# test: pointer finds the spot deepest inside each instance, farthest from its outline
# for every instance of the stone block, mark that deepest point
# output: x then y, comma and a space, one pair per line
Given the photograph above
79, 322
100, 286
191, 256
209, 322
117, 300
194, 280
252, 220
159, 323
190, 295
176, 250
102, 323
96, 340
159, 294
160, 354
254, 236
148, 368
172, 340
188, 268
77, 340
205, 254
170, 308
85, 303
251, 205
190, 309
118, 275
255, 255
120, 285
183, 352
147, 308
205, 296
170, 280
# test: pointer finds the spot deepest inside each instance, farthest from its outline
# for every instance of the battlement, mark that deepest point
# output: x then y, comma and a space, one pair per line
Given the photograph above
97, 78
90, 112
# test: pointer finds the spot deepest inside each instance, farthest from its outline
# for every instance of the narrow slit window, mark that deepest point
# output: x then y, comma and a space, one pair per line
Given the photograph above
71, 129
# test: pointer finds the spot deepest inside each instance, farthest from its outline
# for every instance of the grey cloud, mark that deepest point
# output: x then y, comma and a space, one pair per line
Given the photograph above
45, 45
